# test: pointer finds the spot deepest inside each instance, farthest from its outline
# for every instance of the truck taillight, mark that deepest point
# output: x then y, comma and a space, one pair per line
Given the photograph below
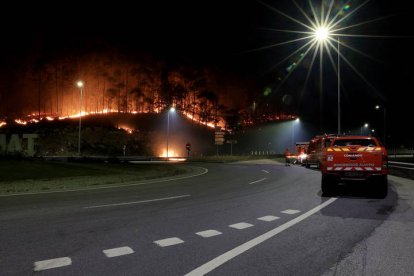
384, 161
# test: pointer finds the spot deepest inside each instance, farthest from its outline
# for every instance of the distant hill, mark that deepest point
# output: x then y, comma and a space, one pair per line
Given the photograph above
143, 134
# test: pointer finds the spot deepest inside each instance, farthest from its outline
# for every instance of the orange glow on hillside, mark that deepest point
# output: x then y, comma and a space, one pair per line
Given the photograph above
211, 125
20, 122
171, 153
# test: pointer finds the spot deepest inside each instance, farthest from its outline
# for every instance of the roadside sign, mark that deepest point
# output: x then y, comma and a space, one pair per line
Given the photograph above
219, 137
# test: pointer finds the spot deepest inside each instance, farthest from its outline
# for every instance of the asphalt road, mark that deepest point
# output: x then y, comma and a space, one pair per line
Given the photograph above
236, 219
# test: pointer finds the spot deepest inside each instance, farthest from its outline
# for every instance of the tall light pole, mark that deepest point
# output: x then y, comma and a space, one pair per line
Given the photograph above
364, 126
171, 110
322, 34
293, 132
377, 107
339, 91
80, 84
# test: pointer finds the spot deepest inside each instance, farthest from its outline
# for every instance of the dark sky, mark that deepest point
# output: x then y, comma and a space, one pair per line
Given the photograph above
218, 33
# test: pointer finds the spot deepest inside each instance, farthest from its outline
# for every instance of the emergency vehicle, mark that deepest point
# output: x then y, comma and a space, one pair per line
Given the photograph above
301, 149
315, 149
355, 158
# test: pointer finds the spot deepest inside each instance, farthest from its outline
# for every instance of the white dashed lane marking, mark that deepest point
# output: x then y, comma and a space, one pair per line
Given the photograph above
208, 233
52, 263
120, 251
168, 242
265, 171
268, 218
241, 225
257, 181
290, 212
233, 253
115, 252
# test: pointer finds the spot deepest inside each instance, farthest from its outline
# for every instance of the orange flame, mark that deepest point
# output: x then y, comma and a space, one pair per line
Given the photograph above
211, 125
20, 122
171, 153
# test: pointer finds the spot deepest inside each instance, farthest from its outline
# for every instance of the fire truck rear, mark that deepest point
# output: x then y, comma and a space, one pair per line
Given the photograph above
355, 158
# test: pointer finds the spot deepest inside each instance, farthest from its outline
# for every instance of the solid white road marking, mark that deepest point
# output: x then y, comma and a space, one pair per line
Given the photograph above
241, 225
168, 242
257, 181
137, 202
115, 252
218, 261
208, 233
290, 212
52, 263
265, 171
268, 218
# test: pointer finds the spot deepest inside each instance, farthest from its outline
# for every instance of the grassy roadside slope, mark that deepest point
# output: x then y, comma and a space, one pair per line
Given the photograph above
26, 176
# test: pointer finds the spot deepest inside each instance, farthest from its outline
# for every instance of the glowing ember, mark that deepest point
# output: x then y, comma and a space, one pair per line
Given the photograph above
177, 159
3, 124
127, 129
211, 125
20, 122
49, 118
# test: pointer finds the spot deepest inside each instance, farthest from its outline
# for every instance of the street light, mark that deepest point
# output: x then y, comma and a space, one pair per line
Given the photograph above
80, 84
377, 107
293, 131
171, 110
322, 34
364, 126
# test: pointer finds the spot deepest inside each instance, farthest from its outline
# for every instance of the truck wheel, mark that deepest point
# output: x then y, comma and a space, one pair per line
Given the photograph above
327, 186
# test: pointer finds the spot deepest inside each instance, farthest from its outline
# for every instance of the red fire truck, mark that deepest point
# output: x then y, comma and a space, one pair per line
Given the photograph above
355, 158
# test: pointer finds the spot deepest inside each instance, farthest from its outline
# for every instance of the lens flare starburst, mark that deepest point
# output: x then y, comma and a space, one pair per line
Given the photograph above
321, 29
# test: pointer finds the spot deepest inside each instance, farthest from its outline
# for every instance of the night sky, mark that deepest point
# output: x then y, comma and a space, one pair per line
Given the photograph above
221, 34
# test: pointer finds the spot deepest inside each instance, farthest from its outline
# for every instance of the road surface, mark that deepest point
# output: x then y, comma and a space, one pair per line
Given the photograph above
246, 218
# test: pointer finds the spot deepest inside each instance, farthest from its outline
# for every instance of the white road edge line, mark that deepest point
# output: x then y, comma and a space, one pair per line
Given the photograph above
218, 261
265, 171
116, 186
52, 263
257, 181
136, 202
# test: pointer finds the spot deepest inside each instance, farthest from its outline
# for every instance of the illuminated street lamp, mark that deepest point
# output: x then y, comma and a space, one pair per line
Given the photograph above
378, 107
80, 84
171, 110
322, 34
293, 131
364, 126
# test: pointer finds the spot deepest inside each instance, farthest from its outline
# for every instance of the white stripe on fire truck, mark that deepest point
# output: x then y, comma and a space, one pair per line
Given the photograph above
369, 169
330, 168
359, 169
338, 169
348, 169
378, 168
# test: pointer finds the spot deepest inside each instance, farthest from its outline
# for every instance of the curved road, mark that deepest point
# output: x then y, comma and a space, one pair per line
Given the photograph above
238, 219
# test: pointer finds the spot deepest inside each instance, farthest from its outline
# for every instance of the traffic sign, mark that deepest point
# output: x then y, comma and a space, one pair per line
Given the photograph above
219, 137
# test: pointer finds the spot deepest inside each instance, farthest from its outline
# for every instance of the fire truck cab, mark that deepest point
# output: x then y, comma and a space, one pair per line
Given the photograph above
355, 158
315, 149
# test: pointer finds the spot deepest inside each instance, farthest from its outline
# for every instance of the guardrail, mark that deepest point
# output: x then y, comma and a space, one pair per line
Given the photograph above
401, 165
395, 153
